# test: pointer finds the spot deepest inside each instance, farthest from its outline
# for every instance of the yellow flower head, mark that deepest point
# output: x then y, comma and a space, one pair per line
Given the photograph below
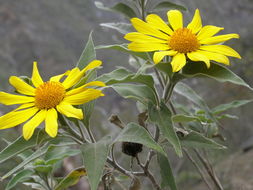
194, 41
43, 100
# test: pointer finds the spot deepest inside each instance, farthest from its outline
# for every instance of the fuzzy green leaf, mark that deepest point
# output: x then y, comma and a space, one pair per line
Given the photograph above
119, 7
184, 118
137, 134
197, 140
88, 54
162, 117
234, 104
94, 159
21, 176
166, 172
141, 93
123, 48
71, 179
121, 27
216, 71
165, 5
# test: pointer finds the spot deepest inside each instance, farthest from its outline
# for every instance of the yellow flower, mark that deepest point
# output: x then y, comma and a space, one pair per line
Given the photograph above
194, 41
43, 100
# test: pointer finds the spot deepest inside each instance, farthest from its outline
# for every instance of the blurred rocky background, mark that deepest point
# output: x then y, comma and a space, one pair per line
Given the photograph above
54, 33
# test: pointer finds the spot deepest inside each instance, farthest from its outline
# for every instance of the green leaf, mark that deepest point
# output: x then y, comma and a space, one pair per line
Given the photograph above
19, 145
123, 48
123, 75
88, 54
21, 176
234, 104
37, 154
184, 118
141, 93
94, 158
162, 117
119, 7
197, 140
55, 154
71, 179
190, 94
166, 172
165, 5
216, 71
121, 27
165, 67
227, 116
137, 134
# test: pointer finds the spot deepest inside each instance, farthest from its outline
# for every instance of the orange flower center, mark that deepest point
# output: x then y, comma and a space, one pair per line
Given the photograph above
49, 94
184, 41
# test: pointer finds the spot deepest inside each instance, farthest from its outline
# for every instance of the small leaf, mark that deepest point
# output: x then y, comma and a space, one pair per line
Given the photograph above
119, 7
94, 158
37, 154
165, 5
123, 75
88, 54
123, 48
19, 146
190, 94
162, 117
71, 179
166, 172
21, 176
184, 118
216, 71
141, 93
165, 67
195, 139
137, 134
234, 104
121, 27
55, 154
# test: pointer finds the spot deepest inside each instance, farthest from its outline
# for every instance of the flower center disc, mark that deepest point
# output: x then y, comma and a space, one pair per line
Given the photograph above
184, 41
48, 95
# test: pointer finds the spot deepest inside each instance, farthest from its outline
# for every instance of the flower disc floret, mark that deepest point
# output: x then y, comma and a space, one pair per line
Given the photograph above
49, 94
184, 41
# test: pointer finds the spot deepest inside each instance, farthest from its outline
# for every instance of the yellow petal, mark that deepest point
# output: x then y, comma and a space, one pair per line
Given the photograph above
57, 78
199, 56
148, 29
73, 77
222, 49
143, 38
36, 78
51, 125
83, 97
147, 47
178, 62
15, 118
29, 127
158, 56
23, 106
208, 31
83, 87
75, 74
195, 25
11, 99
70, 111
175, 18
216, 57
158, 23
92, 65
21, 86
218, 39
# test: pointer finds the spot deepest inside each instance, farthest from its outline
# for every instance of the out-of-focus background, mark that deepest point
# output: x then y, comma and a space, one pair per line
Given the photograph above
54, 33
